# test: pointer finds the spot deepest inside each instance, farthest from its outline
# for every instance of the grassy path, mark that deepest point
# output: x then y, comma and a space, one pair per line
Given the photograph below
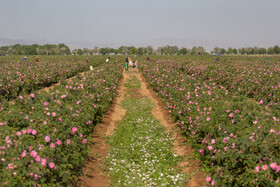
140, 149
138, 145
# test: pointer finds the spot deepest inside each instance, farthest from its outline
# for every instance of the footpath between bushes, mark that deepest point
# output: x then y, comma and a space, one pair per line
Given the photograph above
143, 147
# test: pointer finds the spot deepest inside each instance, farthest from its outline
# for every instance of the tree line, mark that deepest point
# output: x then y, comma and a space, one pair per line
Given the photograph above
62, 49
35, 49
248, 50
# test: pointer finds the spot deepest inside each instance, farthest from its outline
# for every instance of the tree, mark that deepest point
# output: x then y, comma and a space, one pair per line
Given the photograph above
241, 51
261, 51
229, 51
234, 51
80, 52
270, 50
140, 51
223, 51
95, 50
276, 49
86, 51
102, 51
216, 50
149, 50
193, 51
183, 51
200, 50
132, 50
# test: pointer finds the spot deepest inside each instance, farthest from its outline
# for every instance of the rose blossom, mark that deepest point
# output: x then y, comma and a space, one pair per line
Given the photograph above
52, 145
51, 165
74, 129
47, 139
208, 179
273, 165
34, 132
58, 142
84, 141
264, 167
43, 162
33, 154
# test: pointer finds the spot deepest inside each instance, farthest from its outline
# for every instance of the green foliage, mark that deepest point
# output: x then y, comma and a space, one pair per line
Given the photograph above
140, 150
225, 110
44, 139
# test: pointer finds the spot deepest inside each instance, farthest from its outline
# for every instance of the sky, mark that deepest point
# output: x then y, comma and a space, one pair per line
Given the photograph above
113, 23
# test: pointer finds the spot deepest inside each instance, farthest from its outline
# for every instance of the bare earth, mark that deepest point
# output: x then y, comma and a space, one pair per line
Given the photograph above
95, 174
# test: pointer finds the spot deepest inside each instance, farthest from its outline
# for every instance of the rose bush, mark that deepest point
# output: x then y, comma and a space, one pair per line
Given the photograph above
20, 77
44, 139
236, 137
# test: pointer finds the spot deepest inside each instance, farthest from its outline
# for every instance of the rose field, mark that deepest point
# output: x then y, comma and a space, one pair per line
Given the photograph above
19, 77
44, 137
227, 111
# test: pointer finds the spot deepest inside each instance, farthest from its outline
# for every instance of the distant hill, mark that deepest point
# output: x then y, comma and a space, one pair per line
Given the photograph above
5, 42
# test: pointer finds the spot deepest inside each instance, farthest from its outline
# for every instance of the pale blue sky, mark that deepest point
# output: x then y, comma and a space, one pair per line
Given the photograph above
210, 23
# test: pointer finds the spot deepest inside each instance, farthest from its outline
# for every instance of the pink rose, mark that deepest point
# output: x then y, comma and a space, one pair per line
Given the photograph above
33, 154
58, 142
264, 167
208, 179
257, 169
18, 133
43, 162
47, 139
51, 165
34, 132
273, 165
84, 141
74, 129
52, 145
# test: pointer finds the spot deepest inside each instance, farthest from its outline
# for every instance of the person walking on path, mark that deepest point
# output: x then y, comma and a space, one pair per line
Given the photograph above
126, 64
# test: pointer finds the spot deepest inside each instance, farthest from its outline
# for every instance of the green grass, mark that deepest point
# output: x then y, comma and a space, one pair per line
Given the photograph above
140, 152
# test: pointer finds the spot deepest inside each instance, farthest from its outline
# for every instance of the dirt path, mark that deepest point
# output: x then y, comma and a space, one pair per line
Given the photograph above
47, 89
95, 171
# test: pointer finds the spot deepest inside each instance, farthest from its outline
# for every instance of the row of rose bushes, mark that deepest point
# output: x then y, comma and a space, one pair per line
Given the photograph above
237, 139
22, 77
44, 138
257, 80
253, 77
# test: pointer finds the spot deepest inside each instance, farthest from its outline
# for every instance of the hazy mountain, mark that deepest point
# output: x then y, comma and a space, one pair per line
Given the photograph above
5, 41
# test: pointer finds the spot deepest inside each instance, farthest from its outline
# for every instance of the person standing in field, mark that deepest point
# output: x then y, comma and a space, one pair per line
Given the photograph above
107, 60
37, 59
126, 63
